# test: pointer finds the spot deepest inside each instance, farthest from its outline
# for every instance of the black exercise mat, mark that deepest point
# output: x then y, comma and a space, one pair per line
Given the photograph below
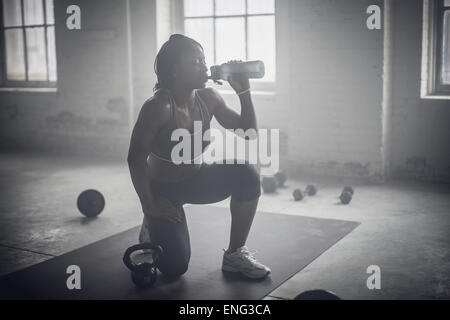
286, 243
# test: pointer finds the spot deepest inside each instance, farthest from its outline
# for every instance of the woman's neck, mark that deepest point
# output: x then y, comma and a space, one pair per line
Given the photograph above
184, 98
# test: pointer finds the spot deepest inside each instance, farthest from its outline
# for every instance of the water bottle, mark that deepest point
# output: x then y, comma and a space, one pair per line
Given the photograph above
250, 69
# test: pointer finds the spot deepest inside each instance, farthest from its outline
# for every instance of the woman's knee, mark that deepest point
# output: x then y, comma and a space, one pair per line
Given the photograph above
171, 264
249, 183
175, 244
173, 269
175, 260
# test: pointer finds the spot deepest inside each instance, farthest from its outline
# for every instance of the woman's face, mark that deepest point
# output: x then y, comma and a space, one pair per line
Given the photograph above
191, 70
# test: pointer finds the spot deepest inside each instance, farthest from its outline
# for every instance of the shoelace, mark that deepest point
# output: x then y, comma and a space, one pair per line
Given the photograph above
246, 252
250, 254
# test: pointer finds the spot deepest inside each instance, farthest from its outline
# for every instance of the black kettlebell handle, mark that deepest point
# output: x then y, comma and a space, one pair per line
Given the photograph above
142, 246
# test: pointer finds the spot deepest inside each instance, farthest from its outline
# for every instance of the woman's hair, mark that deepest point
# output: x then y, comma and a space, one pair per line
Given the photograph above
168, 55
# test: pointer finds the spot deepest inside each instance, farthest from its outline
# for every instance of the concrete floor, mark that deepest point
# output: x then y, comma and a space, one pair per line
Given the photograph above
405, 226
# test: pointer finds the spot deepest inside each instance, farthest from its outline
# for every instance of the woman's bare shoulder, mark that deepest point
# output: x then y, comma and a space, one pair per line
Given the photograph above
160, 98
156, 107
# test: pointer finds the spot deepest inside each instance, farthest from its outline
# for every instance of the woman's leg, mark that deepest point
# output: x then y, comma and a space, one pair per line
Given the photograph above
172, 237
216, 182
242, 213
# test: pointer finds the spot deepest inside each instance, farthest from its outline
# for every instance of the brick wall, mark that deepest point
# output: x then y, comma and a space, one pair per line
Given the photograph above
90, 112
330, 86
328, 102
420, 127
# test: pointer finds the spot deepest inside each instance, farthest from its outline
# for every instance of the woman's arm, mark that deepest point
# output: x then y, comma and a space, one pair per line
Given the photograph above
230, 119
144, 132
150, 120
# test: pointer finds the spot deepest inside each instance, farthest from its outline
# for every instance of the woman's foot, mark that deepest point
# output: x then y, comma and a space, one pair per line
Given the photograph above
241, 260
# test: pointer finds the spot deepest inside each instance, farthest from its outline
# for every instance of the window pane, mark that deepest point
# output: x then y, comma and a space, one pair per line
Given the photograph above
261, 43
227, 7
447, 3
12, 15
33, 12
15, 63
230, 39
446, 49
49, 11
37, 68
51, 53
195, 8
201, 30
261, 6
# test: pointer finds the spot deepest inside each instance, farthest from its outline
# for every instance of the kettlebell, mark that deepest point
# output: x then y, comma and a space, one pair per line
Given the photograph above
143, 274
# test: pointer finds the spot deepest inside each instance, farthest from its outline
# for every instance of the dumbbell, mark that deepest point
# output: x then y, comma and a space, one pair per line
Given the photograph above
311, 190
346, 195
298, 195
269, 184
349, 189
281, 178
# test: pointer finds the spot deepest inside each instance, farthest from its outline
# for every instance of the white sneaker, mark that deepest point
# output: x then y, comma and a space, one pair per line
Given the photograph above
242, 261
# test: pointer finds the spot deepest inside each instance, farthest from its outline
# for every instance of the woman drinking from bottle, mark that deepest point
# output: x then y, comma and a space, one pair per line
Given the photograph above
181, 98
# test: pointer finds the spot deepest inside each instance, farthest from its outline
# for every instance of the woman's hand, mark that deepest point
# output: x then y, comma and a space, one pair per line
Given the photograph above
162, 208
238, 82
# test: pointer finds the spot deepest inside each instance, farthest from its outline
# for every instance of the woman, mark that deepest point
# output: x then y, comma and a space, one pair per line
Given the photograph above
163, 187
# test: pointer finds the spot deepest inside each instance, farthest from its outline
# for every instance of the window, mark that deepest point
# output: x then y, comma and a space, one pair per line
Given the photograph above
436, 50
28, 43
444, 48
233, 30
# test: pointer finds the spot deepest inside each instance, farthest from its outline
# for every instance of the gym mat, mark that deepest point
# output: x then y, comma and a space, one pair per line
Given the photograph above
286, 243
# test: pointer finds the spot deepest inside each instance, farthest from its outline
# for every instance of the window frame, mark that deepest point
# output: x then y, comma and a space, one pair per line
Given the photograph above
441, 9
433, 20
257, 85
4, 82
